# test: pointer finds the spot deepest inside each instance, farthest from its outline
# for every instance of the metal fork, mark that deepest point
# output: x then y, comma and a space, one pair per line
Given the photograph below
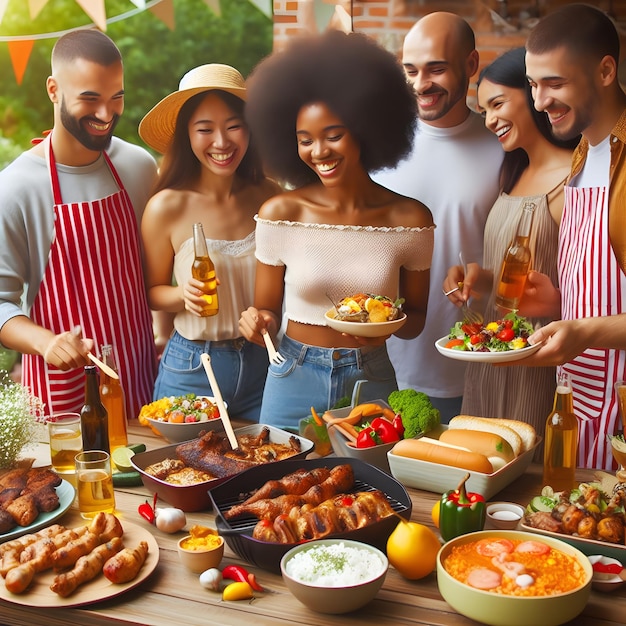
275, 356
470, 316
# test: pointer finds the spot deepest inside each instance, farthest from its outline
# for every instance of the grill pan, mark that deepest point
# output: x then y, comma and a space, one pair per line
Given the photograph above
267, 555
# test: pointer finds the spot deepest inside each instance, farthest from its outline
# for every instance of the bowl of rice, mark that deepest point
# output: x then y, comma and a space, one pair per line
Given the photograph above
334, 575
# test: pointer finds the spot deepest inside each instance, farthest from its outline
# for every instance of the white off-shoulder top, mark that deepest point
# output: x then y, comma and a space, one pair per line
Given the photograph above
324, 260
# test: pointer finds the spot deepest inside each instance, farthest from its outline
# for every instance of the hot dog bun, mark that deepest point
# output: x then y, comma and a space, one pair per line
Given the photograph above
489, 444
433, 451
486, 424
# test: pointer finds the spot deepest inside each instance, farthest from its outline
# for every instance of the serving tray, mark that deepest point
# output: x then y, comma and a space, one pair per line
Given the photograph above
267, 555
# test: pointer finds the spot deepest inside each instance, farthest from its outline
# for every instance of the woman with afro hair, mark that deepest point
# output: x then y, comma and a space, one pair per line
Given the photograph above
326, 111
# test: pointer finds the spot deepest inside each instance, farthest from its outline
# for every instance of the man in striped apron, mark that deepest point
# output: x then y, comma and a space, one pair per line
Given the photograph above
69, 212
571, 62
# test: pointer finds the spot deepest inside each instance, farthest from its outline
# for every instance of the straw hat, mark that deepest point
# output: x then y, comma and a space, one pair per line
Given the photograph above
157, 127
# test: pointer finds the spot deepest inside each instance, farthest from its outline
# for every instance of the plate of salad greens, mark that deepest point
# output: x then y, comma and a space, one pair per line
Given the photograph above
499, 341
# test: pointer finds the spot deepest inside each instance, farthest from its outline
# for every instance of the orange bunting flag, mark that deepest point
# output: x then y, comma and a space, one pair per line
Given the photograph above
164, 11
214, 5
20, 53
35, 6
96, 11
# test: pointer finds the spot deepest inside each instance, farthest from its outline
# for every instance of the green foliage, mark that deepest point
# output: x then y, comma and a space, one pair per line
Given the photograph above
418, 414
155, 58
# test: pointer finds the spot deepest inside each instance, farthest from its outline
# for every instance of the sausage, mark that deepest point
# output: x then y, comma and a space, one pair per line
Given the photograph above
433, 451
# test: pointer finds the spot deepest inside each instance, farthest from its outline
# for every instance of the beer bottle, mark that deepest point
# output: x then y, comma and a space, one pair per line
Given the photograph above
561, 444
516, 263
94, 420
204, 270
112, 395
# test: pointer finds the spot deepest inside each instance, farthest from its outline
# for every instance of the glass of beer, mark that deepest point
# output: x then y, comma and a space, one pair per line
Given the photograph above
95, 483
65, 441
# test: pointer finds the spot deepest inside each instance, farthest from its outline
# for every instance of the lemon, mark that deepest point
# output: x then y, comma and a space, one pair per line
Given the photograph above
376, 309
121, 457
412, 549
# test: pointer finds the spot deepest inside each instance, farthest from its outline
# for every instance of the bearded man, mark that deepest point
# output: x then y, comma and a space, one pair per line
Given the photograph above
71, 274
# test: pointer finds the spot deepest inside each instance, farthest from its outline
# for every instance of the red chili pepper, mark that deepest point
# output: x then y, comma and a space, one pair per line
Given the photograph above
241, 575
385, 430
398, 425
148, 512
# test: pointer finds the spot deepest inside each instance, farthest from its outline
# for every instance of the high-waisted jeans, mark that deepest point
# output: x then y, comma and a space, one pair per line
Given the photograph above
319, 377
240, 368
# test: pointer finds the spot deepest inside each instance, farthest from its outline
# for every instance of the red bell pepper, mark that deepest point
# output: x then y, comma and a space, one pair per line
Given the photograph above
385, 430
366, 438
147, 511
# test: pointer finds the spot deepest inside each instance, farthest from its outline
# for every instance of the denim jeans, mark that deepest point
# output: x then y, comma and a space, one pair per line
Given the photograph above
240, 368
319, 377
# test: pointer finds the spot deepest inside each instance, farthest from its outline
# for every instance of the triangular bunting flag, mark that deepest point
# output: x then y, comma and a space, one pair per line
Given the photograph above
3, 8
165, 12
140, 4
265, 6
96, 11
20, 53
35, 6
214, 5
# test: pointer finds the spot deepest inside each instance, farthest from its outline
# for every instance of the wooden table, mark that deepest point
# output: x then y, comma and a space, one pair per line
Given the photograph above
172, 595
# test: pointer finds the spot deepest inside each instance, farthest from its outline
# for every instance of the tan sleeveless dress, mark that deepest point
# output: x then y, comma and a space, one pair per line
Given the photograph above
523, 393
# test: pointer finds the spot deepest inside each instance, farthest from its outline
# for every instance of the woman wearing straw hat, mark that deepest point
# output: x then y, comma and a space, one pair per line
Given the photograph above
326, 111
210, 174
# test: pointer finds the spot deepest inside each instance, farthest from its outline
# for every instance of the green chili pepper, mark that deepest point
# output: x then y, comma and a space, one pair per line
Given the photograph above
461, 512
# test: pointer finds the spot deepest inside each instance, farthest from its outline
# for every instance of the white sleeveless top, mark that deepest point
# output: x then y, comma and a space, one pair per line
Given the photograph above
235, 267
339, 260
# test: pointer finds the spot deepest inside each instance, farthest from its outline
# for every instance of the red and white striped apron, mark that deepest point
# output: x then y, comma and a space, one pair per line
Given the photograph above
592, 285
93, 266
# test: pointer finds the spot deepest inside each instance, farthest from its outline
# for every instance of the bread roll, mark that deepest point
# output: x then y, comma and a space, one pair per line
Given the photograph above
489, 444
433, 451
490, 425
524, 430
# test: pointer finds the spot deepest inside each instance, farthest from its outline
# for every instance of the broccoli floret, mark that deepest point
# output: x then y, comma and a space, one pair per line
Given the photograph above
418, 414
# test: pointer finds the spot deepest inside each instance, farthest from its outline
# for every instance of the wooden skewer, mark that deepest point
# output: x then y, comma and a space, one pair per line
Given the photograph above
228, 427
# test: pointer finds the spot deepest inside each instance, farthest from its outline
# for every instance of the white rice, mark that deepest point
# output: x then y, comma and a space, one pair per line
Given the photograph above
335, 565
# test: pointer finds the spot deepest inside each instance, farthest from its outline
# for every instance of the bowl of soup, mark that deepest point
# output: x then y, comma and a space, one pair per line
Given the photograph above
514, 578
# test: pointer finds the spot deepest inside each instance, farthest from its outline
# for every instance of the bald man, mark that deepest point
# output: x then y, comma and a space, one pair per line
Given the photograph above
453, 169
70, 265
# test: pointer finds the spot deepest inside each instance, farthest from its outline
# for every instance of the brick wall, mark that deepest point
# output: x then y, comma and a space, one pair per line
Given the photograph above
389, 20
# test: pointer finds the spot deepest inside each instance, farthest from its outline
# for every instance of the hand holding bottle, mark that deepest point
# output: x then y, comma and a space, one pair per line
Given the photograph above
203, 271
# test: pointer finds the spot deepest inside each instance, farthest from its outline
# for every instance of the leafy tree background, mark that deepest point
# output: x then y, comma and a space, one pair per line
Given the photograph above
155, 58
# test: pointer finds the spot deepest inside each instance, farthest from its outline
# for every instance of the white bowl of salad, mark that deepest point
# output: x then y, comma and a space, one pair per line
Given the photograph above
502, 340
181, 418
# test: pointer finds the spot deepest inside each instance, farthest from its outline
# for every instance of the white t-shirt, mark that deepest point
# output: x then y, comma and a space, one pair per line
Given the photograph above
454, 172
595, 171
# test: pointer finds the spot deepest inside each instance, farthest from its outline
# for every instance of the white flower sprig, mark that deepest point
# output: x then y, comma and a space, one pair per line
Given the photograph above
19, 412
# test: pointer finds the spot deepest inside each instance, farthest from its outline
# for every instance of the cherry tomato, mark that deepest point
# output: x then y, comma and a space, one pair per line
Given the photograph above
506, 334
474, 339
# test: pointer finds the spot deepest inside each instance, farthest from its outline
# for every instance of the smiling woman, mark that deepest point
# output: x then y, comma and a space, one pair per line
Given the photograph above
326, 112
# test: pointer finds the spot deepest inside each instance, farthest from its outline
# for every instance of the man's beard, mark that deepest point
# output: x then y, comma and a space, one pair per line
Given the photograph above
98, 143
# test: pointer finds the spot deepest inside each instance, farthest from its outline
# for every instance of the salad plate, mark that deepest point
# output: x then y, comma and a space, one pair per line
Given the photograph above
364, 329
484, 357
